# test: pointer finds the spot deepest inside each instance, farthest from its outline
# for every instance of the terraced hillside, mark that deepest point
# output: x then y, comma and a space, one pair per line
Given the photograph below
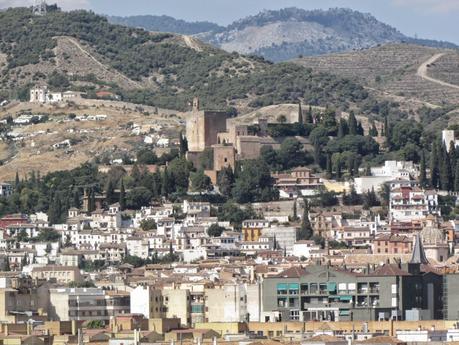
393, 69
446, 68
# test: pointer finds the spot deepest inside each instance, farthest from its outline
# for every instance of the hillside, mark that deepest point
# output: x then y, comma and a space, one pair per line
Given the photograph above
165, 24
398, 70
281, 35
112, 138
84, 52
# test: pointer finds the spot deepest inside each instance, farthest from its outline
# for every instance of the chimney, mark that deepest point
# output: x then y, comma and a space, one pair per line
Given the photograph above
74, 327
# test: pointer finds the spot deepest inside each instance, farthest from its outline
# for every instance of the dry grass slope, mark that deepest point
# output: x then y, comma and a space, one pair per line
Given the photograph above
392, 69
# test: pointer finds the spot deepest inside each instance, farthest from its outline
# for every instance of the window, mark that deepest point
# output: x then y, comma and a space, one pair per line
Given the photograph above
294, 315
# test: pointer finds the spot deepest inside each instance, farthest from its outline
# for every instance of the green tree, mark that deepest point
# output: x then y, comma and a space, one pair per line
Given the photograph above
445, 173
22, 236
7, 267
183, 145
200, 182
343, 128
95, 324
300, 114
254, 183
138, 197
329, 166
352, 198
215, 230
434, 166
373, 131
225, 181
306, 231
423, 173
370, 199
122, 198
352, 123
146, 156
179, 170
456, 178
109, 192
148, 224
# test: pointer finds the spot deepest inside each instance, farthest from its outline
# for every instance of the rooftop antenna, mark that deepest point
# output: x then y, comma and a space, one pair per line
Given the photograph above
39, 8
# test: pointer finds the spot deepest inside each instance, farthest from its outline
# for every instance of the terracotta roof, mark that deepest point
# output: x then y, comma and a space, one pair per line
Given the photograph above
293, 272
389, 270
383, 339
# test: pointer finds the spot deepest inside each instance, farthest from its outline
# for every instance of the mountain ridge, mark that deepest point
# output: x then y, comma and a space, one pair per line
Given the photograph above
281, 35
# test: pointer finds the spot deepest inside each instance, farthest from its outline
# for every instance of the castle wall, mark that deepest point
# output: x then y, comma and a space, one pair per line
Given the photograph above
215, 122
224, 156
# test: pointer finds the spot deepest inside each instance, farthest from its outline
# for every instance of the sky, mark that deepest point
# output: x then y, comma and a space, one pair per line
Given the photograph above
433, 19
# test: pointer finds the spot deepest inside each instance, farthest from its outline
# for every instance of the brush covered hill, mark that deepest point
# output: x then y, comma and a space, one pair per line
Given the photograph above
82, 51
166, 24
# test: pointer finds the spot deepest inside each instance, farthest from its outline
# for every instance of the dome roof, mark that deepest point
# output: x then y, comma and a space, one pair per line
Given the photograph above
431, 234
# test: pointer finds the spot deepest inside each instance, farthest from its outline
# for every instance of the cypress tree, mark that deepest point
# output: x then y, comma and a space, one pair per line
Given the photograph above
352, 123
183, 145
17, 181
342, 128
76, 199
122, 200
165, 183
295, 211
109, 192
317, 153
329, 166
423, 173
386, 127
309, 119
306, 231
7, 267
456, 178
434, 172
373, 131
156, 190
452, 160
446, 176
300, 114
350, 165
338, 168
356, 166
360, 130
92, 201
54, 211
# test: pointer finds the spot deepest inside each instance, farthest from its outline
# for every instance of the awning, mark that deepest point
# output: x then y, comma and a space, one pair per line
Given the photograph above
344, 312
331, 286
345, 298
293, 286
282, 286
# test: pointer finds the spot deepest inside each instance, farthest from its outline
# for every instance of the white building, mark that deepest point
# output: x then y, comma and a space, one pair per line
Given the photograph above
391, 170
6, 189
38, 94
412, 203
448, 137
285, 236
304, 248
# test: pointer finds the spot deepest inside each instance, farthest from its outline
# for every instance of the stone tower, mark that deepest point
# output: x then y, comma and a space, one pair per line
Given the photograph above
195, 104
39, 8
203, 126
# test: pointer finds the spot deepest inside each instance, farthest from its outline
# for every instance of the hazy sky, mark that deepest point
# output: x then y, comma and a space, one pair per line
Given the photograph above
436, 19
